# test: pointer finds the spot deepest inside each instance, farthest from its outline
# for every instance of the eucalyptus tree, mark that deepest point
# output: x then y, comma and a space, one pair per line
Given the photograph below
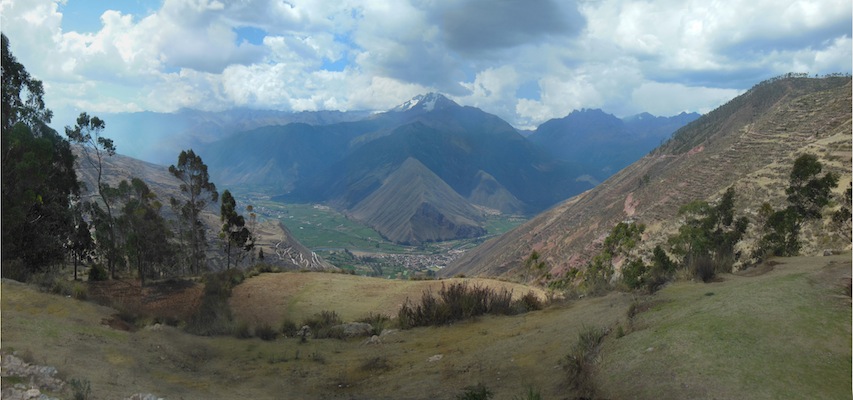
196, 185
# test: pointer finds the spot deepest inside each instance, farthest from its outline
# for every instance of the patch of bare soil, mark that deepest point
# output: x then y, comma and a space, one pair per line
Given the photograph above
172, 300
759, 269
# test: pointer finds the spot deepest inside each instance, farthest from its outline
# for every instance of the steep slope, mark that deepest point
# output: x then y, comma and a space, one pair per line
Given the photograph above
749, 143
413, 206
278, 244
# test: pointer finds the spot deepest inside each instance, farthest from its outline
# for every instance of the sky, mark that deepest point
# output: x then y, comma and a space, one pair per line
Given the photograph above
526, 61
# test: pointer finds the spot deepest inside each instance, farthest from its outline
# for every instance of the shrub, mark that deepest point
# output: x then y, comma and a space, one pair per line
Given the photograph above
528, 302
214, 315
377, 321
477, 392
579, 363
703, 269
80, 389
266, 332
241, 331
531, 394
378, 363
289, 328
98, 273
325, 324
632, 273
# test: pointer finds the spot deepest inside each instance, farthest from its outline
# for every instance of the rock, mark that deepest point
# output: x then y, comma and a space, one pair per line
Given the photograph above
357, 329
32, 394
144, 396
435, 358
386, 332
373, 340
827, 252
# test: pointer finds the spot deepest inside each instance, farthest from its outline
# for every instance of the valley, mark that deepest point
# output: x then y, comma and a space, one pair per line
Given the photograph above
352, 246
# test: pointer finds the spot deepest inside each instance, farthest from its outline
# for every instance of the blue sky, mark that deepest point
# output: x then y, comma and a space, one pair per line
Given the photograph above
526, 61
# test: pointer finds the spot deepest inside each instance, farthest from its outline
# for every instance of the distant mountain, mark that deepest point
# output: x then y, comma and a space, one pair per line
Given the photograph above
601, 144
749, 143
479, 156
160, 137
413, 206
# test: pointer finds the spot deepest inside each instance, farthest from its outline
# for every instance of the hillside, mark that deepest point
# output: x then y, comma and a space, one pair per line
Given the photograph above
690, 340
414, 205
749, 143
277, 243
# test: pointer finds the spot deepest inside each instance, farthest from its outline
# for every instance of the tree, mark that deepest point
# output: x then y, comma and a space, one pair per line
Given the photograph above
29, 110
841, 218
88, 134
145, 232
234, 231
38, 176
82, 244
195, 183
808, 193
710, 232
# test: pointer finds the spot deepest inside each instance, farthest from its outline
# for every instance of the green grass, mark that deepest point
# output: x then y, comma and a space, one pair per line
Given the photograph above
779, 335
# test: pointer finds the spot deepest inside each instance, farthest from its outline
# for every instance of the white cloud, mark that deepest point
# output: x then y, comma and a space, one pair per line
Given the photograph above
624, 56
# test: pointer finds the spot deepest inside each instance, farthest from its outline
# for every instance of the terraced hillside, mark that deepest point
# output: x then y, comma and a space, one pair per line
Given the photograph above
749, 143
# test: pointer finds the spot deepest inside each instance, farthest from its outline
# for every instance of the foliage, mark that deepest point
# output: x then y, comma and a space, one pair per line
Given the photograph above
214, 314
234, 230
580, 361
98, 273
82, 246
196, 185
709, 232
266, 332
458, 301
81, 389
88, 135
38, 176
808, 193
632, 273
533, 266
841, 218
531, 394
476, 392
144, 231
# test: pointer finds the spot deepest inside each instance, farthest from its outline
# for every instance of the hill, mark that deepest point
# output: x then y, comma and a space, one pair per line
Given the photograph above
689, 340
749, 143
414, 206
273, 238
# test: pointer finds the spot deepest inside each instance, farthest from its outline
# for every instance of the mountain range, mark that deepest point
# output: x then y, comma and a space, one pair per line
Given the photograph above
749, 144
357, 166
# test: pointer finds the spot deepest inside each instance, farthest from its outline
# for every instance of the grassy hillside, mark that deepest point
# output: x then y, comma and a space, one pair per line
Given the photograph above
778, 331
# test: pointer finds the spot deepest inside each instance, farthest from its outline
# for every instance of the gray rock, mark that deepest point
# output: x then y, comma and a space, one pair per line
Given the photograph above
357, 329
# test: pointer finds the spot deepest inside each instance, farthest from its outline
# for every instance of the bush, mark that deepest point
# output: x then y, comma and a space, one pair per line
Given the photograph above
325, 324
579, 363
241, 331
214, 315
531, 394
377, 321
458, 301
80, 389
98, 273
289, 328
477, 392
266, 332
378, 363
703, 269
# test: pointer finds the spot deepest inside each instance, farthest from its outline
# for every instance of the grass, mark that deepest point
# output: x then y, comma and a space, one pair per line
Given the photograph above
782, 334
779, 335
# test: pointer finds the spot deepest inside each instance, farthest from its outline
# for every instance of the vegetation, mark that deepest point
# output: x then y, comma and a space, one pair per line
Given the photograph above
192, 172
458, 301
39, 182
808, 193
234, 232
579, 363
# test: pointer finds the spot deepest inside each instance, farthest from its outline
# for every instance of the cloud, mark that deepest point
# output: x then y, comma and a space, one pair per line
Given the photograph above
624, 56
482, 25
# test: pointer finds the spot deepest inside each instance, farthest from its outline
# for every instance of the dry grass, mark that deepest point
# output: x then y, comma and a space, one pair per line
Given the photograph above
747, 340
272, 298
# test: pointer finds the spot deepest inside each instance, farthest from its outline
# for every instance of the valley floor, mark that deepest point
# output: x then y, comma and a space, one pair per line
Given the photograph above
778, 331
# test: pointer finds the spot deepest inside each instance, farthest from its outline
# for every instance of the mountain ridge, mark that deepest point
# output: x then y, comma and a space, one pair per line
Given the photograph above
749, 143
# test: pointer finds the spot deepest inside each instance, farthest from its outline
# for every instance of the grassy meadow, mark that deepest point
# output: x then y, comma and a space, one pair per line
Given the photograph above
777, 331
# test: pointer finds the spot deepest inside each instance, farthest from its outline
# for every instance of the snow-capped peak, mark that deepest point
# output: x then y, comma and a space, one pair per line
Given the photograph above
425, 102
